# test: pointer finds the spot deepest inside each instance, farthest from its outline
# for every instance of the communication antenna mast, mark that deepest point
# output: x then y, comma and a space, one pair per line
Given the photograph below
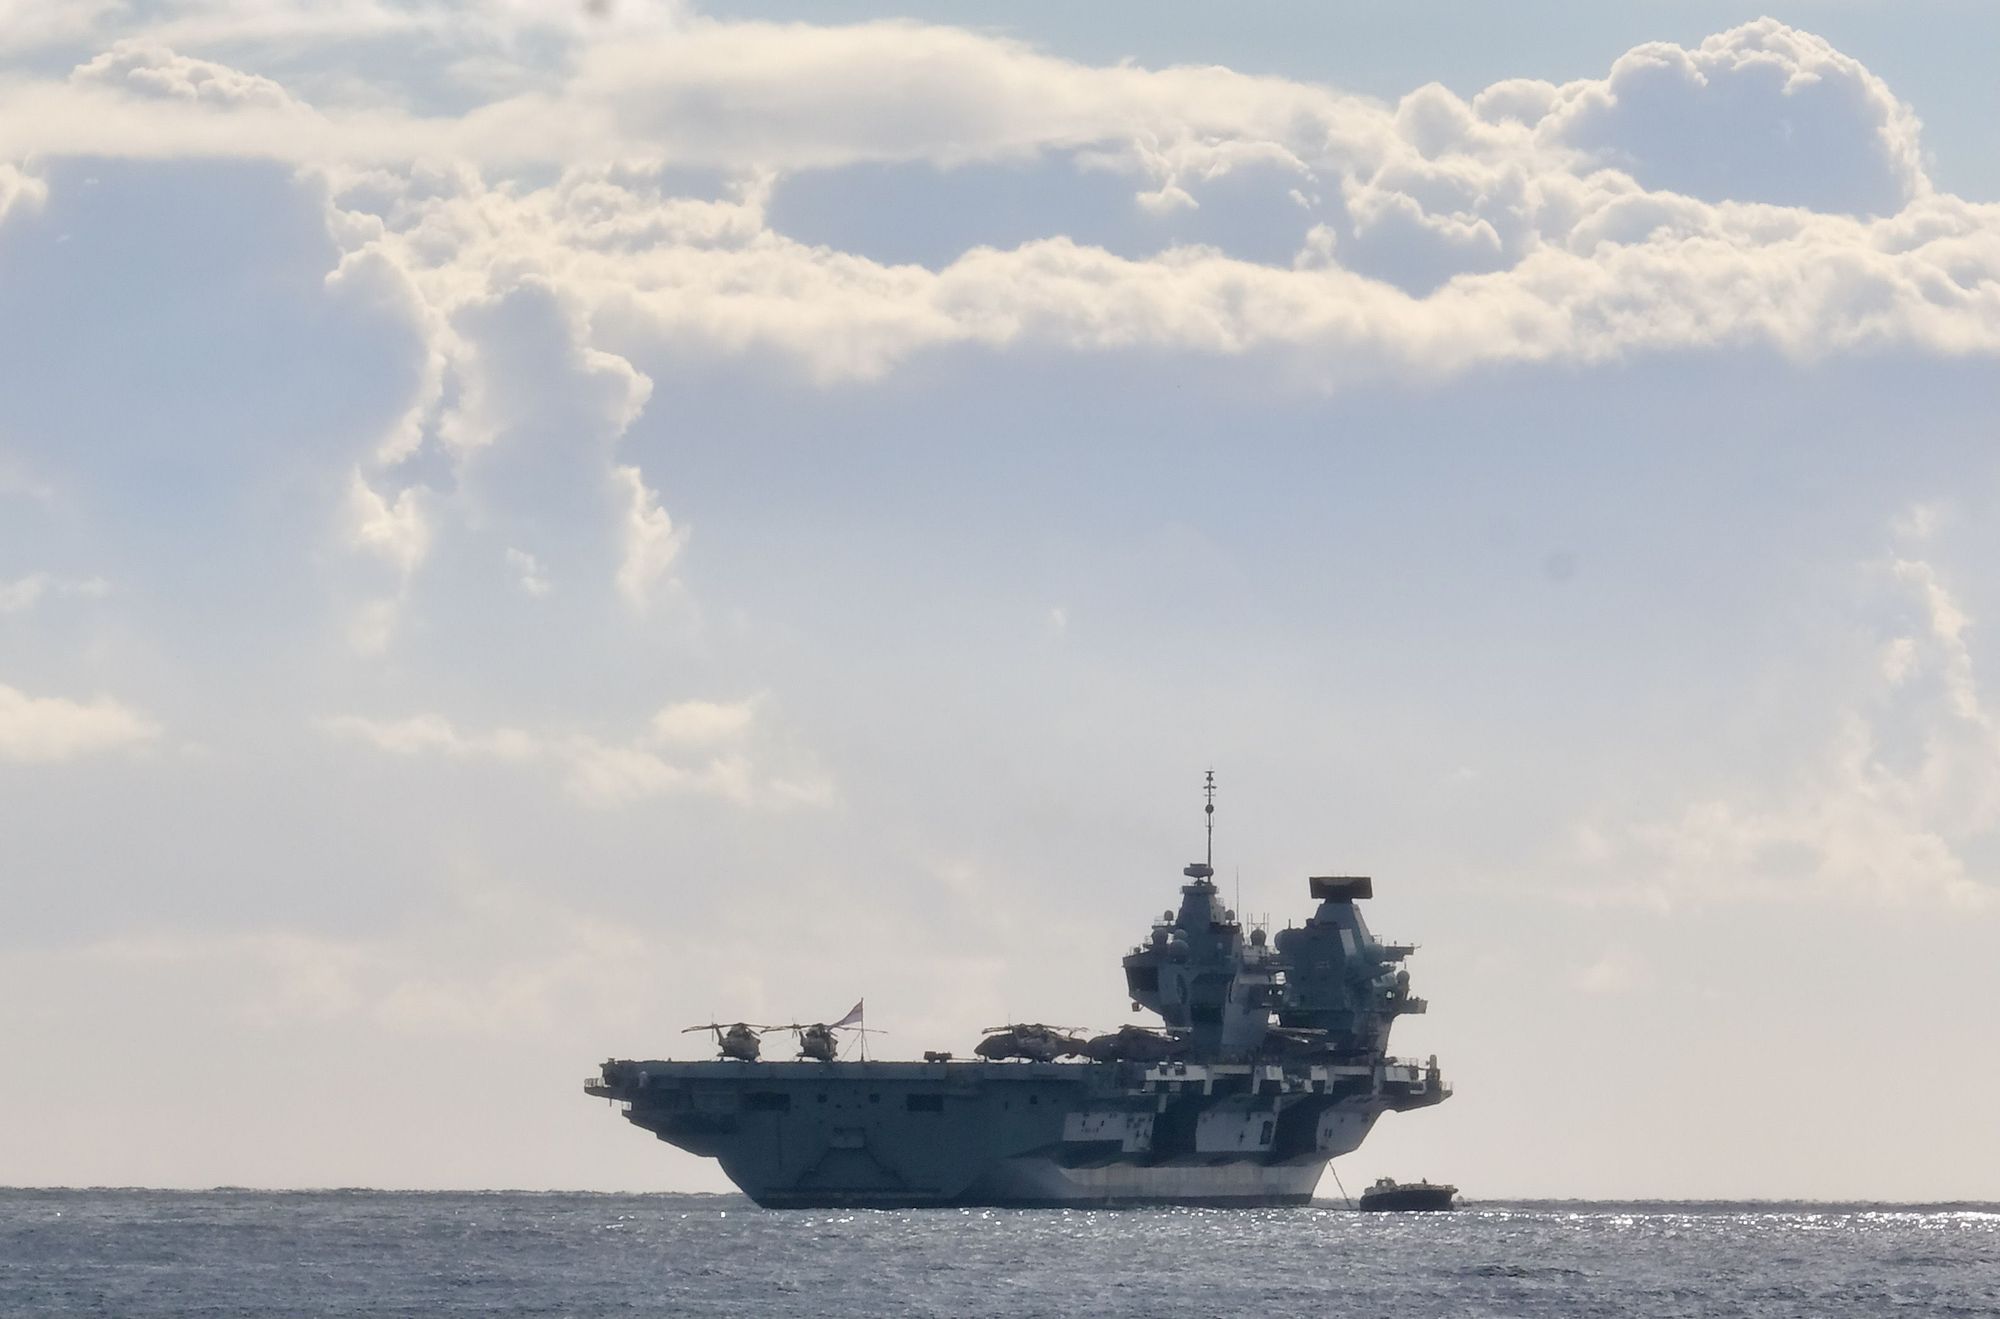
1204, 871
1208, 790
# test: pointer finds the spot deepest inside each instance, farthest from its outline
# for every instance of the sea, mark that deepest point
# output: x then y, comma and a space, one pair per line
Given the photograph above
137, 1254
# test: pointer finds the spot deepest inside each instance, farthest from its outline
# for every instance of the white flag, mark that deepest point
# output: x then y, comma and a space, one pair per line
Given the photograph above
853, 1017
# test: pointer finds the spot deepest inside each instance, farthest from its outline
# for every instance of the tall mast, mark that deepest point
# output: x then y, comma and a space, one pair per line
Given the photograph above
1208, 790
1203, 871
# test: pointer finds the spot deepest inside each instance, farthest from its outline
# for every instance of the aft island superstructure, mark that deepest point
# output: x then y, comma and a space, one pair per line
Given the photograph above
1271, 1060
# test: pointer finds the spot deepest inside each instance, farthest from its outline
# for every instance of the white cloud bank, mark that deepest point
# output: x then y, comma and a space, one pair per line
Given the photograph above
19, 188
145, 70
1904, 788
1555, 208
1763, 113
48, 729
651, 543
1758, 191
692, 748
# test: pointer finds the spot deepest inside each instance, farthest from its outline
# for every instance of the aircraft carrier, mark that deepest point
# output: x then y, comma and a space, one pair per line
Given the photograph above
1271, 1060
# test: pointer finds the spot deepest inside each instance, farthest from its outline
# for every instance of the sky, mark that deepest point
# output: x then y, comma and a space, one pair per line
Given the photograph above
524, 528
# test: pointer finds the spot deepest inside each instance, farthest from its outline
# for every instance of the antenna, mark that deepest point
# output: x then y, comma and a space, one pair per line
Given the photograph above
1203, 872
1208, 790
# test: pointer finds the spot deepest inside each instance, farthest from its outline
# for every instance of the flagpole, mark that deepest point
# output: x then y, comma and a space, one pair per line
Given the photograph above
854, 1019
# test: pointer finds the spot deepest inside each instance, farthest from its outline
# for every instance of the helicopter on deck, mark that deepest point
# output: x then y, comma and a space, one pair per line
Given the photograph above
1033, 1041
736, 1041
816, 1041
1136, 1044
819, 1042
740, 1041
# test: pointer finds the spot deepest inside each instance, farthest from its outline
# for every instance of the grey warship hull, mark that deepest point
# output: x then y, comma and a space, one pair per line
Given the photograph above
1020, 1134
1271, 1060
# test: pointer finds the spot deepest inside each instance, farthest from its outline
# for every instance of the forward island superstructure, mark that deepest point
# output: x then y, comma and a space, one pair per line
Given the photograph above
1271, 1060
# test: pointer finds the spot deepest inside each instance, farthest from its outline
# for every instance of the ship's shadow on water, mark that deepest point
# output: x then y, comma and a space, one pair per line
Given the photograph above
154, 1254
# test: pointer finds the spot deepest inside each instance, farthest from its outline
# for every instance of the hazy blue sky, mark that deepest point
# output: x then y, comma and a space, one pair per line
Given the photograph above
524, 528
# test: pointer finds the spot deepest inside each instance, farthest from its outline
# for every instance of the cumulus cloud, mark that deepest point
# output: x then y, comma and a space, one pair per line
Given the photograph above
703, 723
424, 733
516, 415
148, 70
651, 542
529, 574
1664, 207
1628, 273
1433, 236
692, 748
802, 96
1761, 113
47, 729
1670, 205
19, 189
393, 529
397, 532
521, 358
1904, 789
27, 25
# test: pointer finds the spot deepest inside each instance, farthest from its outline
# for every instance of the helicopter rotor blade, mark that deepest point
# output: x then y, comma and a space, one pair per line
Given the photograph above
1033, 1027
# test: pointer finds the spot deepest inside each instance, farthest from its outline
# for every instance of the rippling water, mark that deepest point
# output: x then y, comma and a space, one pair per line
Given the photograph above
223, 1253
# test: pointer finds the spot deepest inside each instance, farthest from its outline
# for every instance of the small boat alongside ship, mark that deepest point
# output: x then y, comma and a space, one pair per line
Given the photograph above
1389, 1196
